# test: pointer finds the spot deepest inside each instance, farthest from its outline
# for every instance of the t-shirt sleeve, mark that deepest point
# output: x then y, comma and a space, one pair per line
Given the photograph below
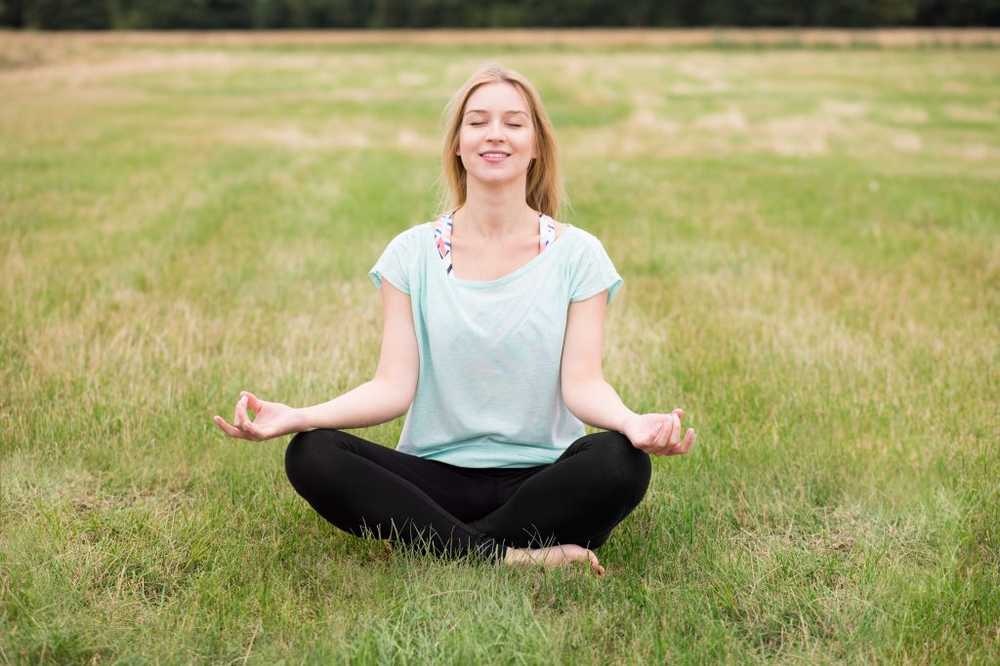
593, 272
395, 262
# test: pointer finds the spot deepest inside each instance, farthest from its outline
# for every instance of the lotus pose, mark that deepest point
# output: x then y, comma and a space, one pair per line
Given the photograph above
492, 341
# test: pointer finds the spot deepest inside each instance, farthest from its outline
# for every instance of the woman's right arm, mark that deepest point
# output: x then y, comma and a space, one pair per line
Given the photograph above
386, 396
368, 404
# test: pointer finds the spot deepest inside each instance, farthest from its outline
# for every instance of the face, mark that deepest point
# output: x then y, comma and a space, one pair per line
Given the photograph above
495, 120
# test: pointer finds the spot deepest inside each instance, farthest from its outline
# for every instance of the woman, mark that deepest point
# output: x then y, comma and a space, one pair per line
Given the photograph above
493, 329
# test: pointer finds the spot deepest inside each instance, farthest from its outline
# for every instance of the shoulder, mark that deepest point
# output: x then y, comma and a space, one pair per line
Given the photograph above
571, 234
581, 240
411, 237
561, 228
418, 230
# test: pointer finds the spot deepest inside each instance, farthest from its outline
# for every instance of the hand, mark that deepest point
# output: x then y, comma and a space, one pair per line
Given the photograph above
659, 434
273, 419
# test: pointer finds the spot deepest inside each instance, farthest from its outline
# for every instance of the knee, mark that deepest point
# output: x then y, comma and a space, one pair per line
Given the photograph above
629, 468
305, 454
297, 454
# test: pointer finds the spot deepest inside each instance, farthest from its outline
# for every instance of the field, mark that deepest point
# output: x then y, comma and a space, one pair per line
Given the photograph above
810, 241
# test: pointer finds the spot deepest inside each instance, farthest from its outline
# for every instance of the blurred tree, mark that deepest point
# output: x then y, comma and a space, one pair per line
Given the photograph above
182, 14
66, 14
386, 14
958, 12
270, 14
864, 13
236, 14
12, 13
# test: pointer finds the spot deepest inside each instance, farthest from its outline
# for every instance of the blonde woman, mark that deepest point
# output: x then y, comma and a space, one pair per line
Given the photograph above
493, 331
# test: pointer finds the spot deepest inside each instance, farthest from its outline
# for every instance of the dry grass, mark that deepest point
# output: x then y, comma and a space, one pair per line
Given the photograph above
681, 37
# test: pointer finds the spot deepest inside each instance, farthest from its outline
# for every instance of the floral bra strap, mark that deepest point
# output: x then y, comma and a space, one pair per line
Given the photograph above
444, 225
546, 231
442, 240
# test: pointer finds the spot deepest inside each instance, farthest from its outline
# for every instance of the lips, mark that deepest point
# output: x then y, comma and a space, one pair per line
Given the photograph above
494, 156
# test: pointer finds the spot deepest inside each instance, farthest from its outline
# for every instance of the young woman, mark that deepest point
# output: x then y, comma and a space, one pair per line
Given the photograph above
493, 330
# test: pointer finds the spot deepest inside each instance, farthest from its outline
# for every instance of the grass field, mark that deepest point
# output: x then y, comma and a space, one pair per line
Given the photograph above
811, 250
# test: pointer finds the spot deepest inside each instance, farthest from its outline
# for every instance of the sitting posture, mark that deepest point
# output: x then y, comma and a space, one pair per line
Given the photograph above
492, 341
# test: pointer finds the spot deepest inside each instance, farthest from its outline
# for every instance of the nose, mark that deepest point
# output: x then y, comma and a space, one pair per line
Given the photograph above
495, 132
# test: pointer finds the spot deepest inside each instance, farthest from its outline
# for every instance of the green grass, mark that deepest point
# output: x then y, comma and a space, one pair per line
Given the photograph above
811, 251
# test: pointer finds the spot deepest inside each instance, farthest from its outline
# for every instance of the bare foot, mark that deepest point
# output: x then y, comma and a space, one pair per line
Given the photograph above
554, 556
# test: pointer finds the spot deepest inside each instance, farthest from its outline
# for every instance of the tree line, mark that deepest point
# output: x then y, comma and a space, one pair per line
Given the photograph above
271, 14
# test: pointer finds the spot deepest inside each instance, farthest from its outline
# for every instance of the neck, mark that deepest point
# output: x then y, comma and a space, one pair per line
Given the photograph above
496, 212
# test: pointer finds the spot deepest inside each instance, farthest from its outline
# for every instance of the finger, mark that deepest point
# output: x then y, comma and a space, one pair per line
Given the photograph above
243, 419
675, 426
679, 412
663, 438
657, 436
684, 446
671, 431
253, 402
237, 417
688, 439
657, 433
246, 426
253, 433
226, 428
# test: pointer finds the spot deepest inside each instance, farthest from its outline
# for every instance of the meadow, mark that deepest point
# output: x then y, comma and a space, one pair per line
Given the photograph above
810, 242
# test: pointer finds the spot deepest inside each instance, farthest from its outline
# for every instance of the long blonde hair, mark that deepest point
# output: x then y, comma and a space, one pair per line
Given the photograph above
544, 188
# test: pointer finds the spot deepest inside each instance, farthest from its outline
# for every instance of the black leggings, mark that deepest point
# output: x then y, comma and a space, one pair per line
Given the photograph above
370, 490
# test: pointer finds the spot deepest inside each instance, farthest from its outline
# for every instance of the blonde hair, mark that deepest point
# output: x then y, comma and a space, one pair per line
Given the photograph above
544, 188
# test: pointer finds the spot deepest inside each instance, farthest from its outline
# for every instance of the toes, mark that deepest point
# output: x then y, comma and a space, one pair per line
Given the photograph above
595, 563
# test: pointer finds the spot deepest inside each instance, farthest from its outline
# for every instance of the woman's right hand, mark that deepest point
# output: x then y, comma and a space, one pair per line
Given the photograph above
272, 419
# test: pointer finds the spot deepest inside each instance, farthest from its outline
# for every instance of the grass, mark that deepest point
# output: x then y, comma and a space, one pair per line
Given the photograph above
811, 251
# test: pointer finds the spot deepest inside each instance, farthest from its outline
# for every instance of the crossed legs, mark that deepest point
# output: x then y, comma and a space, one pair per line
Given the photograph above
370, 490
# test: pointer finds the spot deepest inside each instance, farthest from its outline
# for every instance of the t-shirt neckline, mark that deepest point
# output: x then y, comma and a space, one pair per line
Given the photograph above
538, 258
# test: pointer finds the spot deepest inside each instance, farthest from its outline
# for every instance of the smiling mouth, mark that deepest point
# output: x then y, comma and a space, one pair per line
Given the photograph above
494, 156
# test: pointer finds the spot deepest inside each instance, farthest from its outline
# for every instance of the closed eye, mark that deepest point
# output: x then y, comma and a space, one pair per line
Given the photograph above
508, 124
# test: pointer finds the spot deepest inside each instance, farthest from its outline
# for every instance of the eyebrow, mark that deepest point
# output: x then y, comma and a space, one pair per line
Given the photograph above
485, 111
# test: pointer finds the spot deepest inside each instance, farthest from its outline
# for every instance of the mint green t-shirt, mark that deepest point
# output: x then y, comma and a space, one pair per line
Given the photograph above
488, 392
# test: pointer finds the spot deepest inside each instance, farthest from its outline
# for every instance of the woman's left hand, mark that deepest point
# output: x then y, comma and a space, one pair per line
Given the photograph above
659, 434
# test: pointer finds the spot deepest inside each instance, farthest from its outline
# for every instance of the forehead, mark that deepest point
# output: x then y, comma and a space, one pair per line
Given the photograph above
497, 96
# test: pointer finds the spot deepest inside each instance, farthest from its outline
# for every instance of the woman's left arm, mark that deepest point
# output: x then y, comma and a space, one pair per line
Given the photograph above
594, 401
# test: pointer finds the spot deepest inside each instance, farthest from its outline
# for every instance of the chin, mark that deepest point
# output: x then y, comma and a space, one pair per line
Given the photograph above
496, 177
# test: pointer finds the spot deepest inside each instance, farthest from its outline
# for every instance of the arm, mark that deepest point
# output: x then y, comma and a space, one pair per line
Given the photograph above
367, 404
595, 402
381, 399
584, 390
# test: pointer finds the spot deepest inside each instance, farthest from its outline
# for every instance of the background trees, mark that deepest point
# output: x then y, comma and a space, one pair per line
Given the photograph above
244, 14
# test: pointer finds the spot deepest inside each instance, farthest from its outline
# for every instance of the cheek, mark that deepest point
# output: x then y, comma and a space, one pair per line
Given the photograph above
468, 147
526, 142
